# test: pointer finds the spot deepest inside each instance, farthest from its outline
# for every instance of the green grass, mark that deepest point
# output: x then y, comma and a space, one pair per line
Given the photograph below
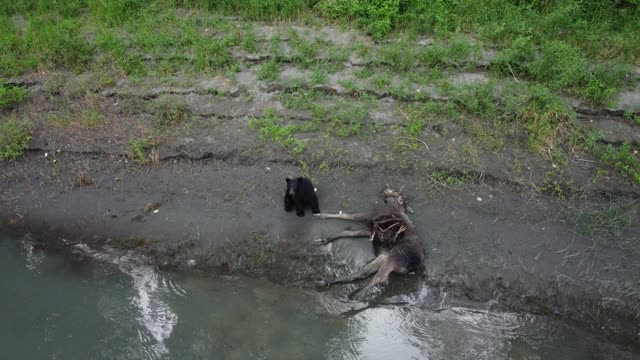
376, 17
633, 118
269, 71
250, 40
582, 48
92, 118
604, 220
319, 76
14, 139
272, 126
55, 42
382, 81
301, 100
625, 159
342, 118
169, 110
256, 9
544, 117
140, 149
561, 67
11, 95
306, 49
48, 41
345, 118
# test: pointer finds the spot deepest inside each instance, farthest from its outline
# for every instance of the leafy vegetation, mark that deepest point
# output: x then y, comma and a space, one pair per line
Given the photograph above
140, 149
624, 159
272, 126
169, 110
14, 139
269, 71
10, 95
604, 220
548, 48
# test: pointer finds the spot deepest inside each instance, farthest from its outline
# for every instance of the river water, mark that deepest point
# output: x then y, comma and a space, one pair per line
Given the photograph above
55, 308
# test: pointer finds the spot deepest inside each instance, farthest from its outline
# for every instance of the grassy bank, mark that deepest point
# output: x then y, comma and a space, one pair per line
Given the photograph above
541, 52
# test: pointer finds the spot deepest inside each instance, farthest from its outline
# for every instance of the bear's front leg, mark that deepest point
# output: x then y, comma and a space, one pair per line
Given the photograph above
299, 207
288, 203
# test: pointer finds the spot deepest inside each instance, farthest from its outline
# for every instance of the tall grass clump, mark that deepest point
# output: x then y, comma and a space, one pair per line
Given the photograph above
255, 9
53, 42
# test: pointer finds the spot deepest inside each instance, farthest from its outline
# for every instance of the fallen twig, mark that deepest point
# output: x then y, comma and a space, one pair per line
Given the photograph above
416, 139
512, 74
589, 161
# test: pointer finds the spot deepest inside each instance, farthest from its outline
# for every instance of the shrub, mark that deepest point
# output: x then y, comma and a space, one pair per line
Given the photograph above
14, 139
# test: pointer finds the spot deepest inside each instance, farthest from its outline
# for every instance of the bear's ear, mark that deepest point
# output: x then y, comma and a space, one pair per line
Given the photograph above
287, 180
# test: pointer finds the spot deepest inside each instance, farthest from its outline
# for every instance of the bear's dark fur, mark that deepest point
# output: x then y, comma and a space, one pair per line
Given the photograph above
300, 193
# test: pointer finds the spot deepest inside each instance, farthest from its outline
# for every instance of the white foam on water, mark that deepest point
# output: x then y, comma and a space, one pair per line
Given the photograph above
33, 258
155, 316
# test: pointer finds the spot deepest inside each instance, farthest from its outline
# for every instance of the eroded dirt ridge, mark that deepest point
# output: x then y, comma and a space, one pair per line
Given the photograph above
189, 170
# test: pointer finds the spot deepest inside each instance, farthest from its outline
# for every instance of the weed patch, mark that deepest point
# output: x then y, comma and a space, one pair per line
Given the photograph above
603, 220
10, 96
269, 71
169, 110
116, 12
211, 55
561, 67
255, 9
544, 117
54, 42
14, 139
376, 17
140, 149
271, 126
306, 50
625, 159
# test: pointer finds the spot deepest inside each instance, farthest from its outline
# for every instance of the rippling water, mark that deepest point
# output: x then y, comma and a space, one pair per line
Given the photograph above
53, 308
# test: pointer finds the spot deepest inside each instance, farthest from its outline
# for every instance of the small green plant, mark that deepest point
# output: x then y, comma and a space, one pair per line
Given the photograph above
625, 159
169, 110
116, 12
92, 118
377, 17
478, 98
603, 220
449, 178
318, 76
11, 95
140, 149
349, 85
399, 56
555, 184
14, 139
56, 42
634, 118
346, 118
382, 81
364, 73
269, 71
306, 50
300, 100
270, 125
212, 55
250, 41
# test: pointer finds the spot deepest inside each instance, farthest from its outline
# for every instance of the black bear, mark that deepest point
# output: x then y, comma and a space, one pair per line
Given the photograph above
300, 193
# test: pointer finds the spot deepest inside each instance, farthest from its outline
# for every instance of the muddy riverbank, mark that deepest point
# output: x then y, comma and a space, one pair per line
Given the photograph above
486, 242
